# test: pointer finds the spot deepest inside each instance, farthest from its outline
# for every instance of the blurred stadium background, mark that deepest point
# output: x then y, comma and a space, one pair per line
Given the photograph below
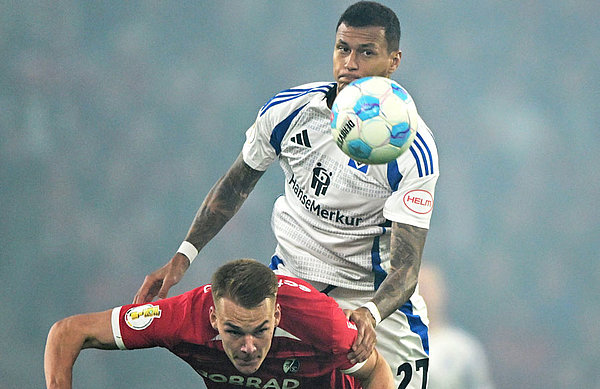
117, 117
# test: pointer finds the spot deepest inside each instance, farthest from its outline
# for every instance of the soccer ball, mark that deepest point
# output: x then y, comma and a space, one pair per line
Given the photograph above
373, 120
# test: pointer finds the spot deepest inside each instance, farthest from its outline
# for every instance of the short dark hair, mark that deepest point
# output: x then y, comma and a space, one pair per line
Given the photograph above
370, 13
246, 282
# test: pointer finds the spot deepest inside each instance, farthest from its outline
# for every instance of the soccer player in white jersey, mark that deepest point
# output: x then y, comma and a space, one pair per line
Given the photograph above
354, 231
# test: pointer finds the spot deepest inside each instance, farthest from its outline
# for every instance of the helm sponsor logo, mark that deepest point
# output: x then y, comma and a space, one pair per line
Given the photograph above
141, 317
418, 201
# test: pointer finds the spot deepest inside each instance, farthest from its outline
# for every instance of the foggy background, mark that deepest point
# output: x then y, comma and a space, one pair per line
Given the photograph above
117, 117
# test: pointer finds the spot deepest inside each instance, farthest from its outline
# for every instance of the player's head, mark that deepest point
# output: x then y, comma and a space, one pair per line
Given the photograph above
245, 311
370, 13
367, 43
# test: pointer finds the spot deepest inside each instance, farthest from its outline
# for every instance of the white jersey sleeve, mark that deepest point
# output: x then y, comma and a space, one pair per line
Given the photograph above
258, 152
412, 201
263, 138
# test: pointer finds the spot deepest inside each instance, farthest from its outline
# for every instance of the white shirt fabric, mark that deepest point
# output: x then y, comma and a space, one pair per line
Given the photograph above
333, 223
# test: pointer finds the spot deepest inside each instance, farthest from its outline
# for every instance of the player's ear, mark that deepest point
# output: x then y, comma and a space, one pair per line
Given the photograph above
277, 314
213, 317
395, 57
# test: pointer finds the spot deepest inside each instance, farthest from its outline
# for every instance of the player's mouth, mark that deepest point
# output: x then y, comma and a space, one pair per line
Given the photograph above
248, 366
347, 78
247, 361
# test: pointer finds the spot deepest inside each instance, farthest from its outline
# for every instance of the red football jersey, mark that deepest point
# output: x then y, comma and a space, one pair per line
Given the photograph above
309, 348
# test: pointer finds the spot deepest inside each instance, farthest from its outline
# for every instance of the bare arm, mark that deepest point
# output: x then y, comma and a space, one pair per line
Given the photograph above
407, 243
220, 205
67, 338
222, 202
375, 373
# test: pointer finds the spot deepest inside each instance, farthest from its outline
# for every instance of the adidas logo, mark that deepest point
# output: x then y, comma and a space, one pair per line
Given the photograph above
301, 139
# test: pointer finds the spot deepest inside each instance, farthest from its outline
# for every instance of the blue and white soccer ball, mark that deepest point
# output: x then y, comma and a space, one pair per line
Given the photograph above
374, 120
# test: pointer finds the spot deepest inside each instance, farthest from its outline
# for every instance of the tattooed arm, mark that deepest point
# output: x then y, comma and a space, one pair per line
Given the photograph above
220, 205
407, 243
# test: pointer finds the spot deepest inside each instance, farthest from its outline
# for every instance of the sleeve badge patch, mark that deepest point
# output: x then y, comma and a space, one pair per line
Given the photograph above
418, 201
140, 317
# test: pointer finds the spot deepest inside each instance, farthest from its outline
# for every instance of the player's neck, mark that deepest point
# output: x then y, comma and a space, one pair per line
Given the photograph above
330, 96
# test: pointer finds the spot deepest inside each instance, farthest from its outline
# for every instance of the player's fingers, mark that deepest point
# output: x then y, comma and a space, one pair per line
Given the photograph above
356, 358
365, 347
360, 355
164, 290
144, 294
360, 338
363, 331
348, 313
137, 298
352, 358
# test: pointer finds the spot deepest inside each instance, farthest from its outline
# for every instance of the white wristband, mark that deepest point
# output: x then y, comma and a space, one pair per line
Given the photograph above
188, 250
374, 311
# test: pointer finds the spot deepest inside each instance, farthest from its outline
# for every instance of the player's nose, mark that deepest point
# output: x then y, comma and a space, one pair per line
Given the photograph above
351, 63
248, 345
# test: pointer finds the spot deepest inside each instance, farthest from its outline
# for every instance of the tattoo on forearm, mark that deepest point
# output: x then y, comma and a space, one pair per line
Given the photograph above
222, 202
406, 249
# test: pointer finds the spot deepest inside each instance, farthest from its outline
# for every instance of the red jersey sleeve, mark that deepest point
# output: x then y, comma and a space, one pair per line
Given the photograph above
165, 323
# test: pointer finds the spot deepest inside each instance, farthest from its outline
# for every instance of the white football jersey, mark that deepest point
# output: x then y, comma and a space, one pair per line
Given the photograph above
333, 223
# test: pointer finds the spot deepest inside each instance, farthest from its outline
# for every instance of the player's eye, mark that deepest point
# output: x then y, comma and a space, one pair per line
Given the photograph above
261, 332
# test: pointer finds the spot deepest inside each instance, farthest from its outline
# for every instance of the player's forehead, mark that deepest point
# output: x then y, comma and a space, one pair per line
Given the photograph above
361, 36
236, 316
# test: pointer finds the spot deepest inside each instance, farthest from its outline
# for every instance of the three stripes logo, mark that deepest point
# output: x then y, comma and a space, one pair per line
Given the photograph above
301, 139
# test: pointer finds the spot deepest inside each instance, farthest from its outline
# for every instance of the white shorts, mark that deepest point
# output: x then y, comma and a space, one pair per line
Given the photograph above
402, 337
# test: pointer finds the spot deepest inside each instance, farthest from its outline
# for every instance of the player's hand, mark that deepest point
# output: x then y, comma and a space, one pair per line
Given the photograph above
160, 281
366, 339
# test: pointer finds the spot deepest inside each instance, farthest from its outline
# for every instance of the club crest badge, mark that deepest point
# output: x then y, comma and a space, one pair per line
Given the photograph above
291, 366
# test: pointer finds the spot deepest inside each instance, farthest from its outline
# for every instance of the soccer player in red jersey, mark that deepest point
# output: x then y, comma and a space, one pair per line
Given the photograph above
249, 327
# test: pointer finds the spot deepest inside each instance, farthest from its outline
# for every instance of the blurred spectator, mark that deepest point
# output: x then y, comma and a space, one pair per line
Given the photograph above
457, 359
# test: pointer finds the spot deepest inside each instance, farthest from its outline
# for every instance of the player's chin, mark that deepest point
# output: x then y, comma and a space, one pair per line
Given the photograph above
248, 367
342, 82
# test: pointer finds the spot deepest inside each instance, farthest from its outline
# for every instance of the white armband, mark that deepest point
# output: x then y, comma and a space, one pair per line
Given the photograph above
188, 250
374, 311
354, 368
